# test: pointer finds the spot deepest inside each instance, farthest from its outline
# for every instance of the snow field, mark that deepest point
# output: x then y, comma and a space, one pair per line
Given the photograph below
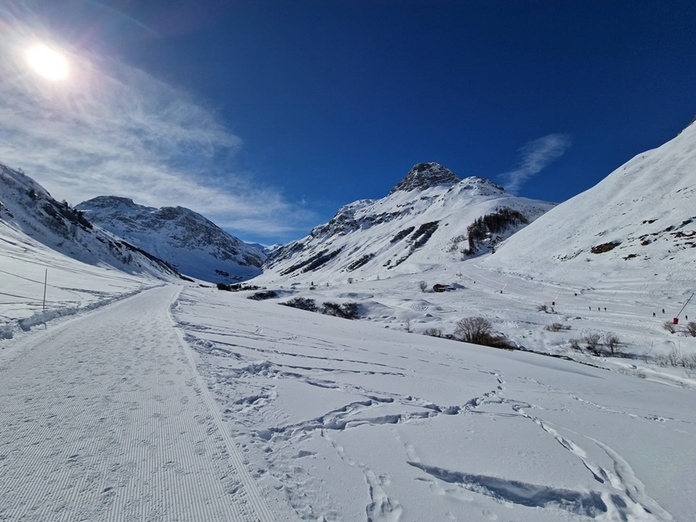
350, 421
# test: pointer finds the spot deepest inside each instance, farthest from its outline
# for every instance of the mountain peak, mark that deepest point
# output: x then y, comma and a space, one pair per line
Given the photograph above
180, 236
110, 202
424, 176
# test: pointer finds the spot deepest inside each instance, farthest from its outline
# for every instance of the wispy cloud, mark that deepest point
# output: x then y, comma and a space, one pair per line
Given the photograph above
535, 156
114, 129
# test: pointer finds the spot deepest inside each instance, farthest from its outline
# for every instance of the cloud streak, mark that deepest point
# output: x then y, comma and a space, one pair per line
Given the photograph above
113, 129
535, 156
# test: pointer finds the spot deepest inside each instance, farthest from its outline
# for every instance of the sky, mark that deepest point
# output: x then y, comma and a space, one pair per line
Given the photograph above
266, 115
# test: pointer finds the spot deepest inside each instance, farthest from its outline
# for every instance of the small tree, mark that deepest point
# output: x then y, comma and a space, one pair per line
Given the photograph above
611, 341
475, 330
423, 286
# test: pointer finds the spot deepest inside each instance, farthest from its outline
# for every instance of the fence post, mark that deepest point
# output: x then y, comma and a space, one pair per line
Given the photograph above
43, 308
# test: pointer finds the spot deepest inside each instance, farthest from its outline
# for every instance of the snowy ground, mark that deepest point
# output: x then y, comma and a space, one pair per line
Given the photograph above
608, 304
187, 403
353, 421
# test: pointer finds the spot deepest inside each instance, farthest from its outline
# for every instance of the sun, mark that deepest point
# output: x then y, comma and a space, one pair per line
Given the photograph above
47, 62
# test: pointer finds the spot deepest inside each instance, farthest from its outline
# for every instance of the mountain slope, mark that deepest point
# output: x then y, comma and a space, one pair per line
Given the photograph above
640, 220
28, 209
190, 242
429, 218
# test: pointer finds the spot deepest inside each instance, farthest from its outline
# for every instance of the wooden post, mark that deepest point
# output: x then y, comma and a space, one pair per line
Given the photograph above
45, 284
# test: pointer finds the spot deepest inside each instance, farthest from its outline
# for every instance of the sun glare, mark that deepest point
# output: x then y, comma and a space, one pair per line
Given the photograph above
47, 62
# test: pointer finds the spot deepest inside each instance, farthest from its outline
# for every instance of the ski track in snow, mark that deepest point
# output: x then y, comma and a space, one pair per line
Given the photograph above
104, 417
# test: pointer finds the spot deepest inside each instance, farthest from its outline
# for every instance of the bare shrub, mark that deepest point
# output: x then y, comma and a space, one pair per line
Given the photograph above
612, 342
669, 326
691, 328
575, 344
345, 310
263, 295
543, 308
477, 330
557, 327
303, 303
592, 342
676, 359
423, 286
433, 332
689, 361
473, 330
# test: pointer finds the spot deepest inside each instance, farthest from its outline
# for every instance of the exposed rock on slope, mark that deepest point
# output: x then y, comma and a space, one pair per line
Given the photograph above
426, 175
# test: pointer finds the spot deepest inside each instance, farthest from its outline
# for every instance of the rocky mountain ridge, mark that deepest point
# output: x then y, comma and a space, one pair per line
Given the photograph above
185, 239
28, 208
429, 217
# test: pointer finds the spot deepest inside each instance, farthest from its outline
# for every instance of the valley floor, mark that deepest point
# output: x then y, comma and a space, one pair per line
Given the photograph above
194, 404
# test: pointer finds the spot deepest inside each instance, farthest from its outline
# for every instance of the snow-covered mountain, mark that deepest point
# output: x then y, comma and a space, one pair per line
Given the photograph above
27, 209
429, 218
185, 239
638, 223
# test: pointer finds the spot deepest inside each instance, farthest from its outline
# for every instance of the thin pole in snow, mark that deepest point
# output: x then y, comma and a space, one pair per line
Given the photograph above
687, 302
45, 284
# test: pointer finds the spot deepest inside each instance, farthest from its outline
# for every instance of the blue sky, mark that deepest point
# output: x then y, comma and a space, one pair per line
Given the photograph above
266, 116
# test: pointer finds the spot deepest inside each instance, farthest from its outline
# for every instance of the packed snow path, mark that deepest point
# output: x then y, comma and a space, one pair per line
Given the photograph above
104, 417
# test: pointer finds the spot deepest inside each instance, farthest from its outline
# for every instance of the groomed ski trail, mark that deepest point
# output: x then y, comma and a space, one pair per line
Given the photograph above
105, 417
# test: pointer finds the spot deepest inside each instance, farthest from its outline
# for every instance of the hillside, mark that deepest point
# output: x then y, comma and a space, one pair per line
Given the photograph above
185, 239
27, 208
636, 225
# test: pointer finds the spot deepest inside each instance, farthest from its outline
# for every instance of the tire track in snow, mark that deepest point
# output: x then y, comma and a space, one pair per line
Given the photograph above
104, 418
